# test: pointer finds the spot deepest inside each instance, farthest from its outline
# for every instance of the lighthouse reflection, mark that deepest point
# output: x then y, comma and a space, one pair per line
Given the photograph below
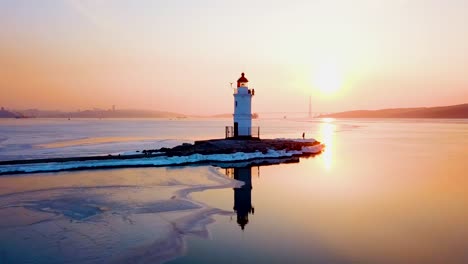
242, 195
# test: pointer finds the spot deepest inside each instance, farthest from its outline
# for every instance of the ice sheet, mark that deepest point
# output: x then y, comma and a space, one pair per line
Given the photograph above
104, 216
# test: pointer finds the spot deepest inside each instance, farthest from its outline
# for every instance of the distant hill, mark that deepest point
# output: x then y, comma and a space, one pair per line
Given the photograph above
453, 111
7, 114
99, 113
125, 114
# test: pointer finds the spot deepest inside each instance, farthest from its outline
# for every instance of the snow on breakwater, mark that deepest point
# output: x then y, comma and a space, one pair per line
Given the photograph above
156, 161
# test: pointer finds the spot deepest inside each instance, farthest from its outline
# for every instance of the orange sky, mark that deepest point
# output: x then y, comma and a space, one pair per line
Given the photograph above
181, 55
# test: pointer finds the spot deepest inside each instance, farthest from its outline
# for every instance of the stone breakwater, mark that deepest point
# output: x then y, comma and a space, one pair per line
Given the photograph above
207, 152
227, 146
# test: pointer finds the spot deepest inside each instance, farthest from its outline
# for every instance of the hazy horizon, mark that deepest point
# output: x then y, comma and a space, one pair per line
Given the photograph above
179, 56
194, 114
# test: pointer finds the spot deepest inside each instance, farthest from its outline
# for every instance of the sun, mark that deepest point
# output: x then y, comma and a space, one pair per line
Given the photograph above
327, 78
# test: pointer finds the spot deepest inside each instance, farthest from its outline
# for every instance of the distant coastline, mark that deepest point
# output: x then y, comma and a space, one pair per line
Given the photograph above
10, 114
452, 111
94, 113
101, 113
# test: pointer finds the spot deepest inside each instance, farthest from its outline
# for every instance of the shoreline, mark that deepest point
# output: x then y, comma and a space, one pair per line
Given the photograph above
206, 152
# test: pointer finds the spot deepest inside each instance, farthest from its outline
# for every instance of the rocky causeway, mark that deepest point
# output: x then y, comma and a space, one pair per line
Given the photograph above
227, 146
201, 152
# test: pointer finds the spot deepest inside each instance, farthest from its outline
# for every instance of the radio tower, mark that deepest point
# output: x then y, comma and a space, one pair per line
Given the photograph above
310, 106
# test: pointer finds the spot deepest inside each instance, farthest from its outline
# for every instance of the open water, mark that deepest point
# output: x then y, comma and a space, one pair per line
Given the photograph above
383, 191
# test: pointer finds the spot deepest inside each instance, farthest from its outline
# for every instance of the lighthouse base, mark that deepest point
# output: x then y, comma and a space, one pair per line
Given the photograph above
246, 133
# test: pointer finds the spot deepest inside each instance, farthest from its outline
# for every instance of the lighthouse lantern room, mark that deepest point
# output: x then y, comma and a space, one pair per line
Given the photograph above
242, 111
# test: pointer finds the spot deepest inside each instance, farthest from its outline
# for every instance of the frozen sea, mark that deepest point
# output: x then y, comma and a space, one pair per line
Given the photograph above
383, 191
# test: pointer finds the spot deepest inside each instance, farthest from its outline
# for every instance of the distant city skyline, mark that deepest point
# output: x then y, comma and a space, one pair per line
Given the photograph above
180, 56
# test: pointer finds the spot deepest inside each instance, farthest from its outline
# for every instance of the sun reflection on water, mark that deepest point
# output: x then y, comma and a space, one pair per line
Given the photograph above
327, 128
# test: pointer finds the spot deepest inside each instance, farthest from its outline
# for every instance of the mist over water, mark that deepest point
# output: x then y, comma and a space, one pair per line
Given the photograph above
384, 191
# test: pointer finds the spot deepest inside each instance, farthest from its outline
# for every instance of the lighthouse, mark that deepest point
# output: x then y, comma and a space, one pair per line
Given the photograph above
243, 110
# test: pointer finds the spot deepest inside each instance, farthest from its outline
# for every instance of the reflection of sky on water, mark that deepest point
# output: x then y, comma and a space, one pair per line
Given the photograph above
383, 196
326, 131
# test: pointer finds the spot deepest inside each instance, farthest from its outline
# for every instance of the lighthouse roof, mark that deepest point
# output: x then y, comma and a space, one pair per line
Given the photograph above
242, 79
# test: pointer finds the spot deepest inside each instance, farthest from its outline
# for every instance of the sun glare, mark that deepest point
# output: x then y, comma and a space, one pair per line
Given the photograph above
327, 78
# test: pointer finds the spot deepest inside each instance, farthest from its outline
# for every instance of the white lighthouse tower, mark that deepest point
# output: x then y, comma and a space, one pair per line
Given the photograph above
243, 109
